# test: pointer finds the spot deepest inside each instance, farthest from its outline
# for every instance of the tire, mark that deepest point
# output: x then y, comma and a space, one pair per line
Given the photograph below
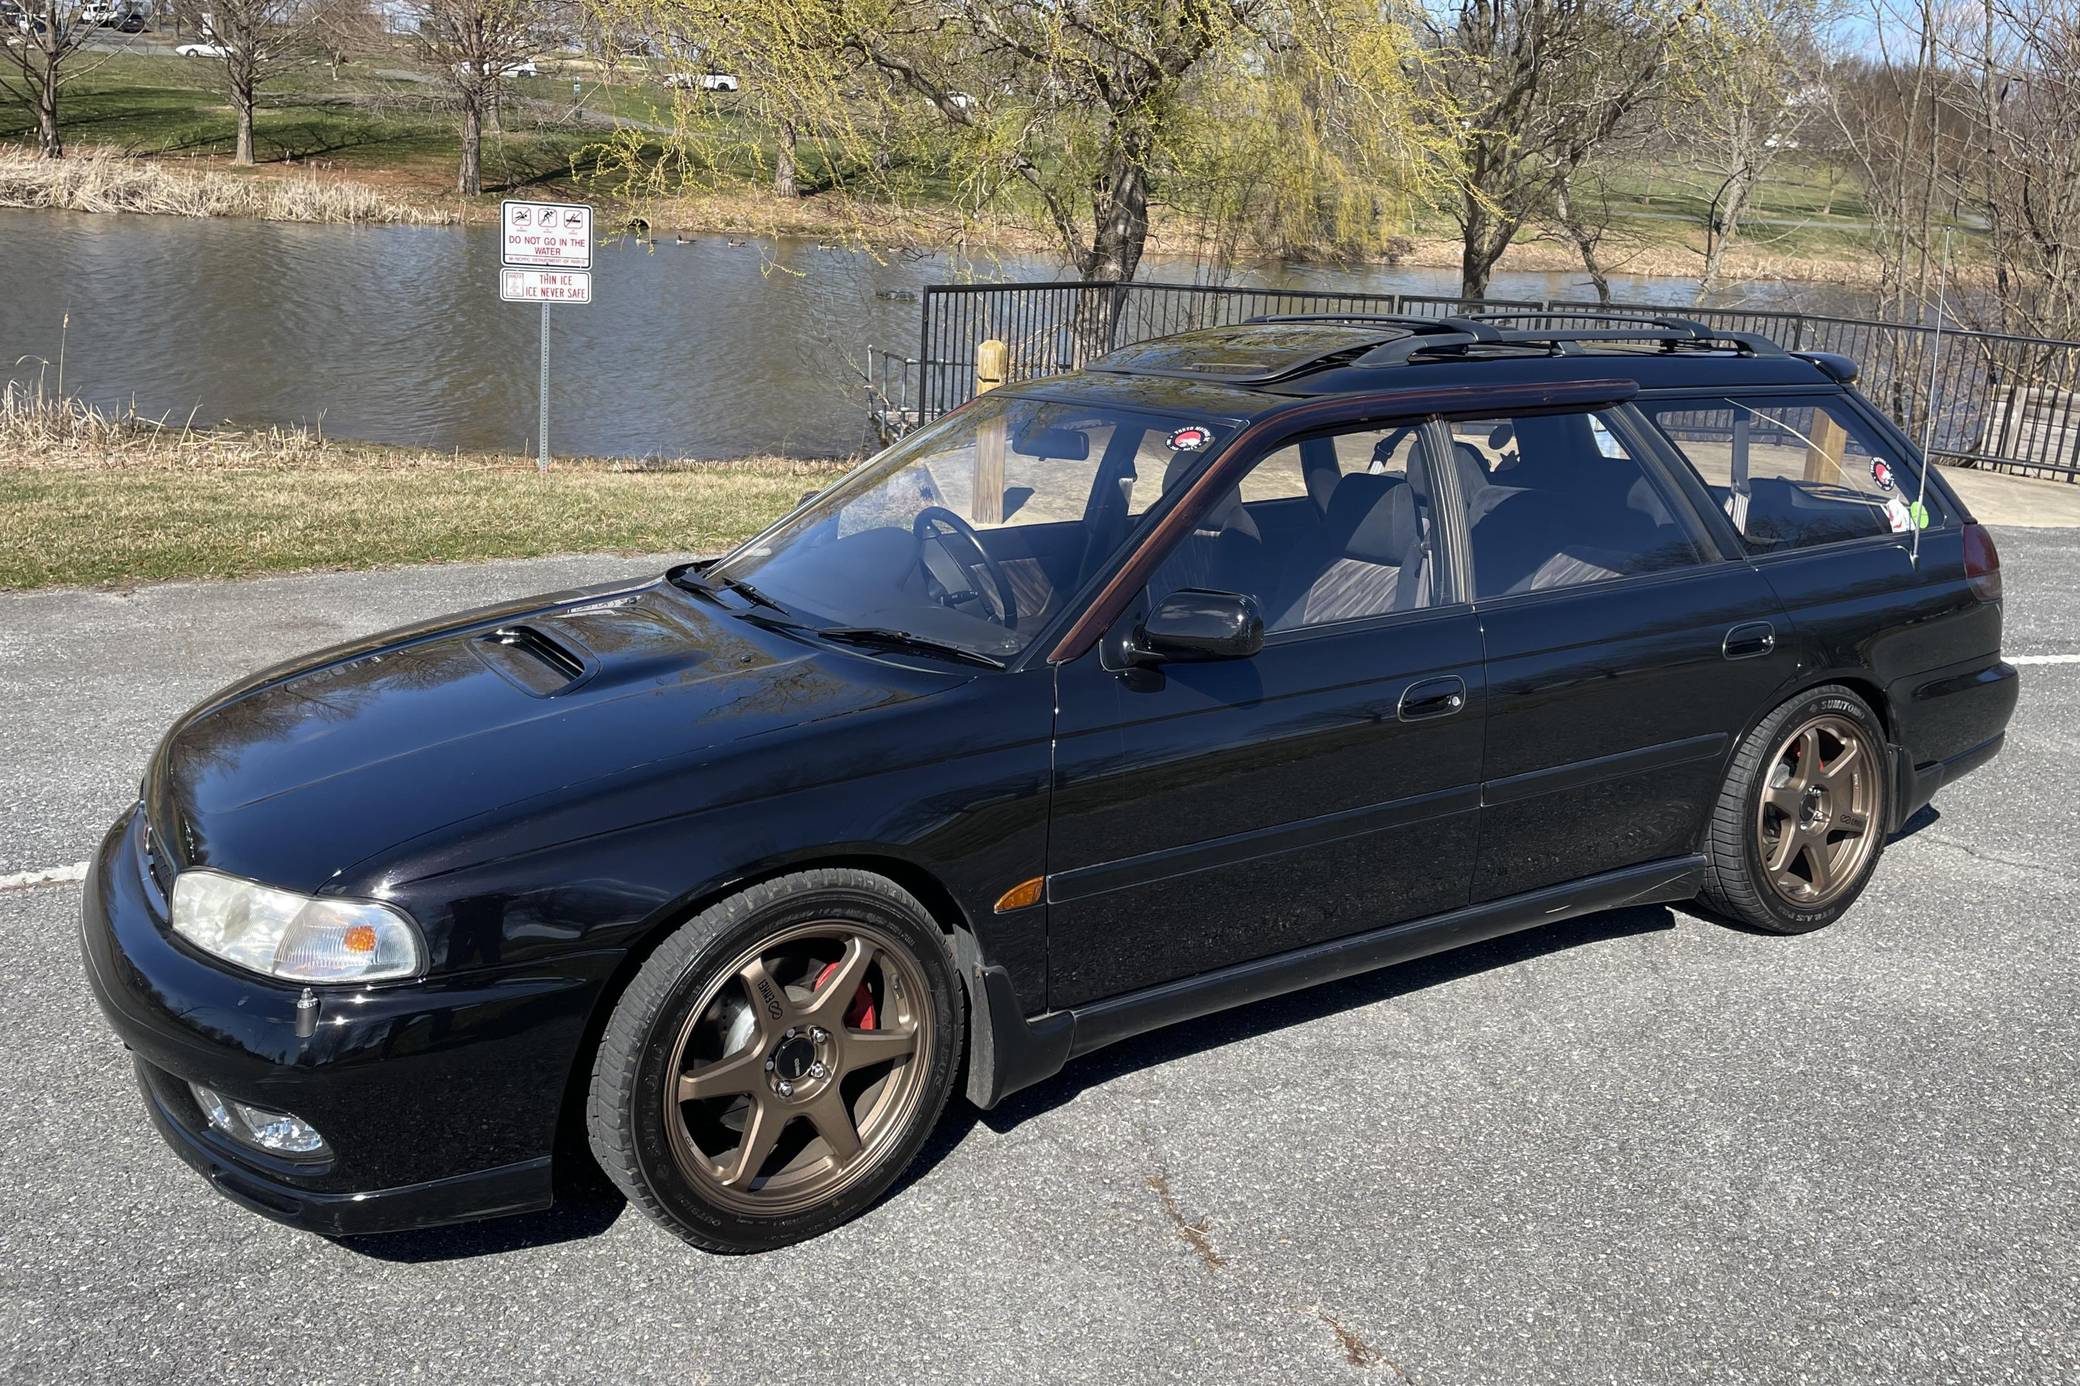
769, 1066
1816, 793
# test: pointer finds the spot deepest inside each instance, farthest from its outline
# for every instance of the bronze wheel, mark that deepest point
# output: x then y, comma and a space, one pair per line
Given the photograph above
1800, 820
1815, 822
778, 1060
805, 1056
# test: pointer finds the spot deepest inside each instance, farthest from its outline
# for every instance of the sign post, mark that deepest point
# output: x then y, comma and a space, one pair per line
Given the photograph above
545, 257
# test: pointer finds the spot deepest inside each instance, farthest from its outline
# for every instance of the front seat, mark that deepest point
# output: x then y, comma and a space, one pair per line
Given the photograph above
1378, 562
1224, 551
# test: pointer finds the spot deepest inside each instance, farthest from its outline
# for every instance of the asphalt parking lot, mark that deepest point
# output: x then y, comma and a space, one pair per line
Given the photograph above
1638, 1147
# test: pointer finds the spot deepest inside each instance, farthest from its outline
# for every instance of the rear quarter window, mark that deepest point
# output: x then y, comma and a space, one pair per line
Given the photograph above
1795, 471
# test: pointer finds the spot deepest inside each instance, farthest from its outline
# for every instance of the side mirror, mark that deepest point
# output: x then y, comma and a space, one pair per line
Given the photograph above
1194, 624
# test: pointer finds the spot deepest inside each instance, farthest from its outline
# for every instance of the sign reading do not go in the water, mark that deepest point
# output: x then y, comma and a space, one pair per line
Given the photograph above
546, 235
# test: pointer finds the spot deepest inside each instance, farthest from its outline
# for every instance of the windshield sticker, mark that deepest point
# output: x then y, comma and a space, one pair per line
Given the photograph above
1898, 516
1191, 438
1881, 472
1920, 514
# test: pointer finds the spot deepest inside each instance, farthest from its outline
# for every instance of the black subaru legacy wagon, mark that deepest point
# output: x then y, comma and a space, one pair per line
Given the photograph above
1239, 661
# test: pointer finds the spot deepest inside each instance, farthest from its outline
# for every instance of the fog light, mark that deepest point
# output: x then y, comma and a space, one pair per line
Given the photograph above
278, 1132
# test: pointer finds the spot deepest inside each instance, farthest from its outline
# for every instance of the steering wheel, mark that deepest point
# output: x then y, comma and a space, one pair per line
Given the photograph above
951, 554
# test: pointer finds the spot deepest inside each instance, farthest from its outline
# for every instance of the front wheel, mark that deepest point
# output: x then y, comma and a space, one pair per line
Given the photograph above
779, 1061
1800, 824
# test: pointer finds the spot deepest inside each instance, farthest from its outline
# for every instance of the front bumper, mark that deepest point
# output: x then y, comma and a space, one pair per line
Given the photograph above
439, 1098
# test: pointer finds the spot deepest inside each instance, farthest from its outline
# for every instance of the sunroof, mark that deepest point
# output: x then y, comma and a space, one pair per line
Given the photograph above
1246, 354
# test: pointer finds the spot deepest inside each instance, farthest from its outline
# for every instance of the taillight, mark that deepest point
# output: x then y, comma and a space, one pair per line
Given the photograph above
1982, 563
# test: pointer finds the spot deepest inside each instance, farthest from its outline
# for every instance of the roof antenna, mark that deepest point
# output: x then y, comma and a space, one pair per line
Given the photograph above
1919, 515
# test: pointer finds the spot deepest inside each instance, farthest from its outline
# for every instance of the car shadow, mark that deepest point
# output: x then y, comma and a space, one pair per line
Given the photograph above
1298, 1008
1927, 816
588, 1205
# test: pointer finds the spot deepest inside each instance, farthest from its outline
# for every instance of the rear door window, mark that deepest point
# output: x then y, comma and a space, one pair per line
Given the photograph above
1795, 471
1557, 500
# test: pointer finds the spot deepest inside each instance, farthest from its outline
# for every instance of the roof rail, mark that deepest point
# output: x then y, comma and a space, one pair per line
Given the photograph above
1470, 326
1671, 330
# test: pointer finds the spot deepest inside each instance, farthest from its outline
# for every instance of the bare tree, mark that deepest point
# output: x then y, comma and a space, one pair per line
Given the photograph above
469, 46
344, 29
252, 40
1531, 90
2022, 179
1750, 90
40, 47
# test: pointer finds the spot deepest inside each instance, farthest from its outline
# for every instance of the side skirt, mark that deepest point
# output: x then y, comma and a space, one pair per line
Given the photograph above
1027, 1051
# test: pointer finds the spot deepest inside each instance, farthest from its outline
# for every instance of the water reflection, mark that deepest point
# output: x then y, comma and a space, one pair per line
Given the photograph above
396, 334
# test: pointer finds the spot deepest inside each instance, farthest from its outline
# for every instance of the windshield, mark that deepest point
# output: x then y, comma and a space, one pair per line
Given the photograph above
973, 533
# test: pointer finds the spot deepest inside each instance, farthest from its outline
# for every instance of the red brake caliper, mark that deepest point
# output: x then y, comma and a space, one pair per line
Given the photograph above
860, 1014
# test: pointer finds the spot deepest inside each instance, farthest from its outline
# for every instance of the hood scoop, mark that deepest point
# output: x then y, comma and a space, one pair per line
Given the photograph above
532, 661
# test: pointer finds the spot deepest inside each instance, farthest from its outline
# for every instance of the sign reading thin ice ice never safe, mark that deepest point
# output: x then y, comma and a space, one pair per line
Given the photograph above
545, 286
545, 235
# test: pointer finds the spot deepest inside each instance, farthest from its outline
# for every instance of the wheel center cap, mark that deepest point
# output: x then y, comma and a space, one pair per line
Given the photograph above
1814, 808
793, 1058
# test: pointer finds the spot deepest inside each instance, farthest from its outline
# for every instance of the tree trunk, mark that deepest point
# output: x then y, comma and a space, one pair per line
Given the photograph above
784, 184
1120, 218
1584, 241
242, 103
470, 181
1481, 243
49, 142
1724, 230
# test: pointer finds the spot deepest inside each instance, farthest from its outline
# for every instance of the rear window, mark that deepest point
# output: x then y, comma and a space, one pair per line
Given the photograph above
1796, 471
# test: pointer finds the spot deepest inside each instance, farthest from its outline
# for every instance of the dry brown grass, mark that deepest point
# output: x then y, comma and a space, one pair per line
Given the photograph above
88, 497
102, 180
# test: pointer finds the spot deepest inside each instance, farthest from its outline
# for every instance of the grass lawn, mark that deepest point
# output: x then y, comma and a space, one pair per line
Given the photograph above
84, 526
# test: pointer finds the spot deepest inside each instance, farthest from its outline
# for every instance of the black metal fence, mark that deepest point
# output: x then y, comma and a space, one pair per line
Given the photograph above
2005, 402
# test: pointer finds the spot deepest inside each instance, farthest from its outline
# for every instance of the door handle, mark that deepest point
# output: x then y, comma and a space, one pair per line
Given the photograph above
1750, 641
1432, 698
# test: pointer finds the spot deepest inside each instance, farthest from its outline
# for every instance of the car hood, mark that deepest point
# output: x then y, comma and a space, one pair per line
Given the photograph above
295, 775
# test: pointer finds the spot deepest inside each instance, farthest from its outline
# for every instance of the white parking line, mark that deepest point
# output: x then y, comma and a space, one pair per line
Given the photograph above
2044, 659
49, 875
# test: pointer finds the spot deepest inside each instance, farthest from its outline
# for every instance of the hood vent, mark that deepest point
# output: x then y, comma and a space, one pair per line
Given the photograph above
527, 657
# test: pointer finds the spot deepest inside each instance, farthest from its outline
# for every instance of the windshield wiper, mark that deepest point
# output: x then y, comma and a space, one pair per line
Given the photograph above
703, 582
888, 638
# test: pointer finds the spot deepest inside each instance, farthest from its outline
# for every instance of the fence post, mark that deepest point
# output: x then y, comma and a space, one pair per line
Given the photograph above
986, 504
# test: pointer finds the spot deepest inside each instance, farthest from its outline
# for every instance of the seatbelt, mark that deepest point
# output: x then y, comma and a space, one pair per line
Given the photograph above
1737, 493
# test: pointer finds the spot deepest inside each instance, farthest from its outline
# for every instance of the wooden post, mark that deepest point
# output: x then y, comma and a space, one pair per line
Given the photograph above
986, 505
1829, 443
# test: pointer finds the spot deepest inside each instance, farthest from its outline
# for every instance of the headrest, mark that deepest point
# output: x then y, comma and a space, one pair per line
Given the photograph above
1225, 515
1471, 466
1373, 516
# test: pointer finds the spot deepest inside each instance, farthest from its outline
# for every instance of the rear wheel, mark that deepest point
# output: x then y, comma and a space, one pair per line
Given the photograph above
1800, 823
779, 1061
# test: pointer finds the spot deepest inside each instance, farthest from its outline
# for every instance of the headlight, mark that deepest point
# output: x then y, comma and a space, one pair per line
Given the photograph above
296, 937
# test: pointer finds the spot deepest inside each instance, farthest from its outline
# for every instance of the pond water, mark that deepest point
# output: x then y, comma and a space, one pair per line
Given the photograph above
396, 334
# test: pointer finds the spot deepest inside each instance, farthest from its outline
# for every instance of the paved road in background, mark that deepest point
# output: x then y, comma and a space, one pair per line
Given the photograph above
1636, 1147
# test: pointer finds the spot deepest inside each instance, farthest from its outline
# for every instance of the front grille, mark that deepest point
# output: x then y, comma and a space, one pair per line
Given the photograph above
157, 873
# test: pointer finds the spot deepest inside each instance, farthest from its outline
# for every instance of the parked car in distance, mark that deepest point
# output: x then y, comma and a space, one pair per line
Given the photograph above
1240, 661
13, 16
702, 81
523, 67
132, 22
211, 49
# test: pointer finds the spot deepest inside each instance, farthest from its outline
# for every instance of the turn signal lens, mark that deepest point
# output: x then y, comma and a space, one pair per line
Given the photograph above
299, 938
1023, 894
